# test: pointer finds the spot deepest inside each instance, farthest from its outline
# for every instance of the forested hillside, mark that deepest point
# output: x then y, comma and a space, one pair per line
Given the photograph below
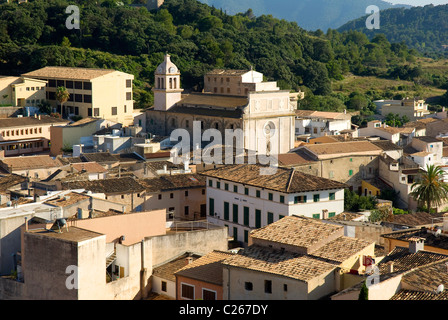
423, 28
199, 38
309, 14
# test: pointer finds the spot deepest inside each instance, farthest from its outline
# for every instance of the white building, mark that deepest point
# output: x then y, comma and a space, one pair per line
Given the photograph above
241, 199
317, 123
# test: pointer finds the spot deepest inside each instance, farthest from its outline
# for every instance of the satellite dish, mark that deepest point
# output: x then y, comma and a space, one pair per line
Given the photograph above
440, 288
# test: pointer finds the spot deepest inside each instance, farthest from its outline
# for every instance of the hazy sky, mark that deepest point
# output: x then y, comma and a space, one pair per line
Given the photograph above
418, 2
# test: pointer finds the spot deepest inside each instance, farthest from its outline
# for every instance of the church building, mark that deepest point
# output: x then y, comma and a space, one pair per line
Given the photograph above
231, 99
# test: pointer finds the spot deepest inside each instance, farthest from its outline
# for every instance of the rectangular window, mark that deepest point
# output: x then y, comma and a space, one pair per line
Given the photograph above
187, 210
78, 85
316, 216
164, 286
210, 183
208, 295
187, 291
235, 189
226, 211
211, 209
258, 193
267, 286
51, 95
350, 172
316, 198
270, 196
300, 199
246, 236
248, 286
78, 97
69, 84
246, 191
96, 112
89, 112
257, 218
332, 196
270, 217
51, 84
128, 83
285, 287
282, 199
60, 83
235, 233
235, 213
128, 95
87, 85
76, 111
331, 214
226, 186
246, 216
87, 98
218, 185
186, 193
160, 197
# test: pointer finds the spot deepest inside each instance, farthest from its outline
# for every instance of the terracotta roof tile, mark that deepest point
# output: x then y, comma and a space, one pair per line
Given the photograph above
173, 182
344, 147
30, 121
285, 180
341, 249
208, 268
107, 186
31, 162
292, 265
296, 231
404, 294
68, 73
167, 270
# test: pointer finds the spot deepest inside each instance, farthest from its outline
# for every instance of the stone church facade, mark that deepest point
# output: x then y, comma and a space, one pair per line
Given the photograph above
232, 99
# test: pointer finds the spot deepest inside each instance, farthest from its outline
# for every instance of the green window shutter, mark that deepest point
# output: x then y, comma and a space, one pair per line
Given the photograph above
235, 213
211, 206
246, 216
316, 216
316, 198
282, 199
235, 189
210, 183
331, 214
258, 193
226, 211
332, 196
218, 185
271, 196
235, 233
226, 187
270, 217
246, 191
257, 218
350, 172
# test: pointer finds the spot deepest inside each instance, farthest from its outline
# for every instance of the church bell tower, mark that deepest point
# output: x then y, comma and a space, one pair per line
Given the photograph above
167, 91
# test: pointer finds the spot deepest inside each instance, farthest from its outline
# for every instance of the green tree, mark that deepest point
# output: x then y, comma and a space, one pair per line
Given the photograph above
429, 189
364, 293
62, 95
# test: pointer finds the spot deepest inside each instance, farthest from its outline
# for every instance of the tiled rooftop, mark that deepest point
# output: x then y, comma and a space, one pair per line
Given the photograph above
403, 260
167, 270
284, 263
283, 179
428, 278
91, 167
30, 121
31, 162
404, 294
68, 199
341, 249
344, 147
68, 73
296, 231
173, 182
208, 268
107, 186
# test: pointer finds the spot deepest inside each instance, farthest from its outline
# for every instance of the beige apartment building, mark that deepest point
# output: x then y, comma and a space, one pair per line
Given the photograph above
413, 108
100, 93
21, 91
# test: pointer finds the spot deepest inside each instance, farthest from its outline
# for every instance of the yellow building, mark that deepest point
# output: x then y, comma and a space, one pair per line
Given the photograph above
21, 91
100, 93
412, 108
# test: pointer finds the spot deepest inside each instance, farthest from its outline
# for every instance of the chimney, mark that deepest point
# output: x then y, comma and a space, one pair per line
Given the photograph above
416, 244
390, 267
189, 260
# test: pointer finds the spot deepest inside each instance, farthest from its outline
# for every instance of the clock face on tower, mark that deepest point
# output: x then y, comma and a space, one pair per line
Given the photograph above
159, 70
172, 70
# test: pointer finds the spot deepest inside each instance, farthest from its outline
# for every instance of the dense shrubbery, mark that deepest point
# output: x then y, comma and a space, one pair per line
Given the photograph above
200, 38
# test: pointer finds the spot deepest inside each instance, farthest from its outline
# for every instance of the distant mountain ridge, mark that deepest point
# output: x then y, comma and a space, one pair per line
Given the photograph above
422, 28
309, 14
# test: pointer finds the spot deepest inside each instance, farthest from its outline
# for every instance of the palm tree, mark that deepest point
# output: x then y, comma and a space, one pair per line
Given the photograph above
62, 95
430, 188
